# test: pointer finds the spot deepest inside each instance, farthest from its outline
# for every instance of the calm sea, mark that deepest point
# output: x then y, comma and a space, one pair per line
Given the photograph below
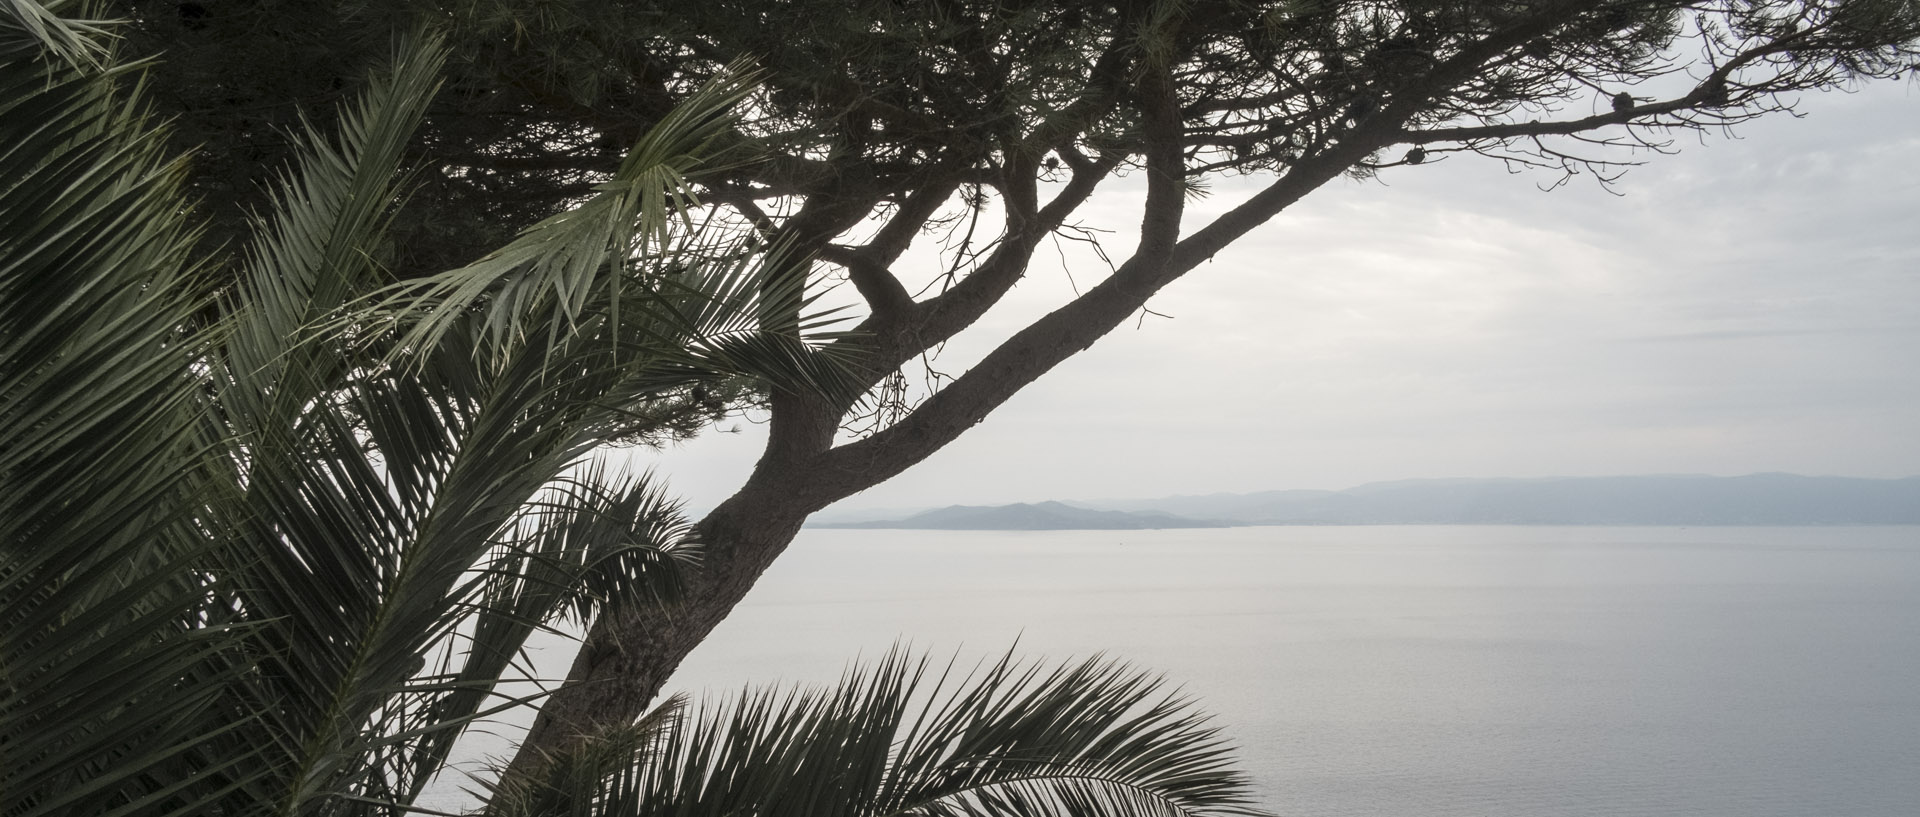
1429, 671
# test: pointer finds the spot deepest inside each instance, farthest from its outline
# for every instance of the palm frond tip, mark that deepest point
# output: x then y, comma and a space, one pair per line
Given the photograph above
1011, 738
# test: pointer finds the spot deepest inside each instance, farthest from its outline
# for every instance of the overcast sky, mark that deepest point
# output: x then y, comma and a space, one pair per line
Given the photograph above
1748, 305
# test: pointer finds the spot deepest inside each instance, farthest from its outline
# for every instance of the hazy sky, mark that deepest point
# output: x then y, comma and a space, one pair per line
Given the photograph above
1749, 305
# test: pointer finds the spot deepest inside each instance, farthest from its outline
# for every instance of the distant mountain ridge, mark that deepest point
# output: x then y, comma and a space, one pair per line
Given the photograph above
1757, 499
1037, 516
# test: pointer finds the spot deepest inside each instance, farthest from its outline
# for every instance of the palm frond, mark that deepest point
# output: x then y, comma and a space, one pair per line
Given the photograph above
601, 541
318, 248
29, 30
554, 269
1013, 739
370, 493
713, 316
392, 510
110, 652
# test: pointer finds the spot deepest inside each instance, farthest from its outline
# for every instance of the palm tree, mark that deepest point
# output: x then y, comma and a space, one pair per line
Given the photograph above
273, 528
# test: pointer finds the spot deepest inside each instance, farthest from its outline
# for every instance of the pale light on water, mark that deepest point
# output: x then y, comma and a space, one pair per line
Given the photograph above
1427, 670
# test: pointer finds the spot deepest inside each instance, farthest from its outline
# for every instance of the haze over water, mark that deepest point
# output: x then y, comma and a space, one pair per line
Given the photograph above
1426, 670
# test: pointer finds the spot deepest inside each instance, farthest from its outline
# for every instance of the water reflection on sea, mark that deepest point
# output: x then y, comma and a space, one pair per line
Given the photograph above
1427, 671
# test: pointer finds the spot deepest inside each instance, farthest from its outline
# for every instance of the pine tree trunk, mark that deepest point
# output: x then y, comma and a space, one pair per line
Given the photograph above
625, 662
627, 658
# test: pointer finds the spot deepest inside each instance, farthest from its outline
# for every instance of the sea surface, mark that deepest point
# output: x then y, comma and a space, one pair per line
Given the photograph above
1422, 670
1433, 671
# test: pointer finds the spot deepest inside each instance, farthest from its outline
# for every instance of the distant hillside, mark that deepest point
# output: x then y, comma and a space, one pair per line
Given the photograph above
1041, 516
1760, 499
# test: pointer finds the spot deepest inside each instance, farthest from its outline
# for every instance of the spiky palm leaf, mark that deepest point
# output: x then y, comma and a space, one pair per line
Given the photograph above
231, 549
1012, 739
413, 493
560, 270
110, 655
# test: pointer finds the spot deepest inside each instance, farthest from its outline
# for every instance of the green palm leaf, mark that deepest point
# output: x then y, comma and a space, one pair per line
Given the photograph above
550, 274
1013, 739
30, 30
391, 511
111, 657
